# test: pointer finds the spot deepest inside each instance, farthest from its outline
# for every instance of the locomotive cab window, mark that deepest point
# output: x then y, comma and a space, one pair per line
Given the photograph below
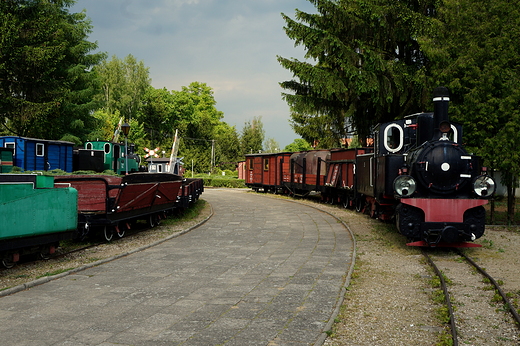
88, 146
393, 138
10, 145
266, 164
251, 164
107, 148
39, 149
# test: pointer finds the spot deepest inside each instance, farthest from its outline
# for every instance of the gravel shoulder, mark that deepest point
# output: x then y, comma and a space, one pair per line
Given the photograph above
390, 298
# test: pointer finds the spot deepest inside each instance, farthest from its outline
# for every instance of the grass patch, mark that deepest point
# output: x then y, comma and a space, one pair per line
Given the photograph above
56, 272
187, 214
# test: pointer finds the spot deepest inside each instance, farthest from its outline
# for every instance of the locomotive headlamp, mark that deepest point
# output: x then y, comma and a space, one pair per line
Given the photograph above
444, 127
404, 185
484, 186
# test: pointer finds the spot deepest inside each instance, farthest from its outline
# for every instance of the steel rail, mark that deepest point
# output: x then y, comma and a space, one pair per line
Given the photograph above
509, 305
447, 300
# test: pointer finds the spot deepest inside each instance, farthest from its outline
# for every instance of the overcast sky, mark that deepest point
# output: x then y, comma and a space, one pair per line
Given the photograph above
231, 45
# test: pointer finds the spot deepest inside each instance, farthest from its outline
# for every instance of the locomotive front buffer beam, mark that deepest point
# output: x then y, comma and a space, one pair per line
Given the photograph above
448, 222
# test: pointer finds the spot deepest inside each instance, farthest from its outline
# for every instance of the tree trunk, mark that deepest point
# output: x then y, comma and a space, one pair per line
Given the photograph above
492, 205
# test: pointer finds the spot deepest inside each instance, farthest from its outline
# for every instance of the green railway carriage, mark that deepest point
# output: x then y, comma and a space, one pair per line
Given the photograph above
114, 156
35, 214
6, 160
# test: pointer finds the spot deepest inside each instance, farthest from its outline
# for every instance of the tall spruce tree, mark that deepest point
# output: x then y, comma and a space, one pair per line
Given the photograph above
363, 66
46, 86
474, 51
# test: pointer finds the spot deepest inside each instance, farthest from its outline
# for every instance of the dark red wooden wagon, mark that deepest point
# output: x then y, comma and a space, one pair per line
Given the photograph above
111, 203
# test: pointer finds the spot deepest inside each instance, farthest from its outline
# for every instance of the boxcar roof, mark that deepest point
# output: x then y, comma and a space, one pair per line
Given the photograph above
38, 140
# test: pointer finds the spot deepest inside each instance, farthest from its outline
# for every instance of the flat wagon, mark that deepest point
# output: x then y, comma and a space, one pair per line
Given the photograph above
110, 203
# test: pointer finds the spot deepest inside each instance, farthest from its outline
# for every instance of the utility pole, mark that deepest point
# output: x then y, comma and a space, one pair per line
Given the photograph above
212, 155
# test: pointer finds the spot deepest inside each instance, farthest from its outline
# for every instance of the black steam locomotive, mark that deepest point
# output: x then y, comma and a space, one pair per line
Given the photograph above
417, 172
435, 189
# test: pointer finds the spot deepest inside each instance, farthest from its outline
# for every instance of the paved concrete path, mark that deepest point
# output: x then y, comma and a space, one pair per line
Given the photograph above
261, 271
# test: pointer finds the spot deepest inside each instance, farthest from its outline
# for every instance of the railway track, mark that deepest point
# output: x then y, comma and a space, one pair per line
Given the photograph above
474, 305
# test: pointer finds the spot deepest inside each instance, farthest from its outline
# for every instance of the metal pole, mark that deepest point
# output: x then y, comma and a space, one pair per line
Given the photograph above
212, 154
126, 154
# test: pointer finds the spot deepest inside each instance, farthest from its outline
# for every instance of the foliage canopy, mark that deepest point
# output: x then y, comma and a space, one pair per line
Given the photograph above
46, 83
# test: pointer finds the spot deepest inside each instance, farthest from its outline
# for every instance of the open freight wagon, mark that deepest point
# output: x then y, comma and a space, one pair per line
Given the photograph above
110, 204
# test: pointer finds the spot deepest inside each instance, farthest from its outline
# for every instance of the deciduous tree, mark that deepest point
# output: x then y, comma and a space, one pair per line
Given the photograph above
46, 83
252, 136
124, 84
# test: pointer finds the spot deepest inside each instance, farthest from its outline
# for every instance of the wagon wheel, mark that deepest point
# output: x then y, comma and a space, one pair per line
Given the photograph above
44, 253
8, 263
120, 231
152, 221
360, 204
108, 233
346, 202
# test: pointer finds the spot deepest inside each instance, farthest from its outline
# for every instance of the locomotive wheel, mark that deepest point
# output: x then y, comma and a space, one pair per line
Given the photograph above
108, 233
374, 210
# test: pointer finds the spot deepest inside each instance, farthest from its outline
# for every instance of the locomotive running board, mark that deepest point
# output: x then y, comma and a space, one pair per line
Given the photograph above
460, 244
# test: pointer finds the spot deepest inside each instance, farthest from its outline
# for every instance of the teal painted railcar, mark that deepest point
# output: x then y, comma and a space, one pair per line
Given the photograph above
114, 156
6, 160
35, 214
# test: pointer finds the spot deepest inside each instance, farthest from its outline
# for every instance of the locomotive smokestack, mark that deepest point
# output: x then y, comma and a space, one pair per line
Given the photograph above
441, 99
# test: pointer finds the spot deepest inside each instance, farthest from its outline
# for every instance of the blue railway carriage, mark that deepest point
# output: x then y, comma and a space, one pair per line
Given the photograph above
33, 154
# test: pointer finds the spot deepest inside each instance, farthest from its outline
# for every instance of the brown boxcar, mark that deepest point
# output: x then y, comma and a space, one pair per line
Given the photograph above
308, 171
267, 171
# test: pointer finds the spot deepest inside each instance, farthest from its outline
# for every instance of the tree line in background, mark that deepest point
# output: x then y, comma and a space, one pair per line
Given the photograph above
53, 87
373, 61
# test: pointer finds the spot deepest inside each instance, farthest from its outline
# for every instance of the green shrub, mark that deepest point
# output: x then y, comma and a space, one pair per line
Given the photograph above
223, 182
